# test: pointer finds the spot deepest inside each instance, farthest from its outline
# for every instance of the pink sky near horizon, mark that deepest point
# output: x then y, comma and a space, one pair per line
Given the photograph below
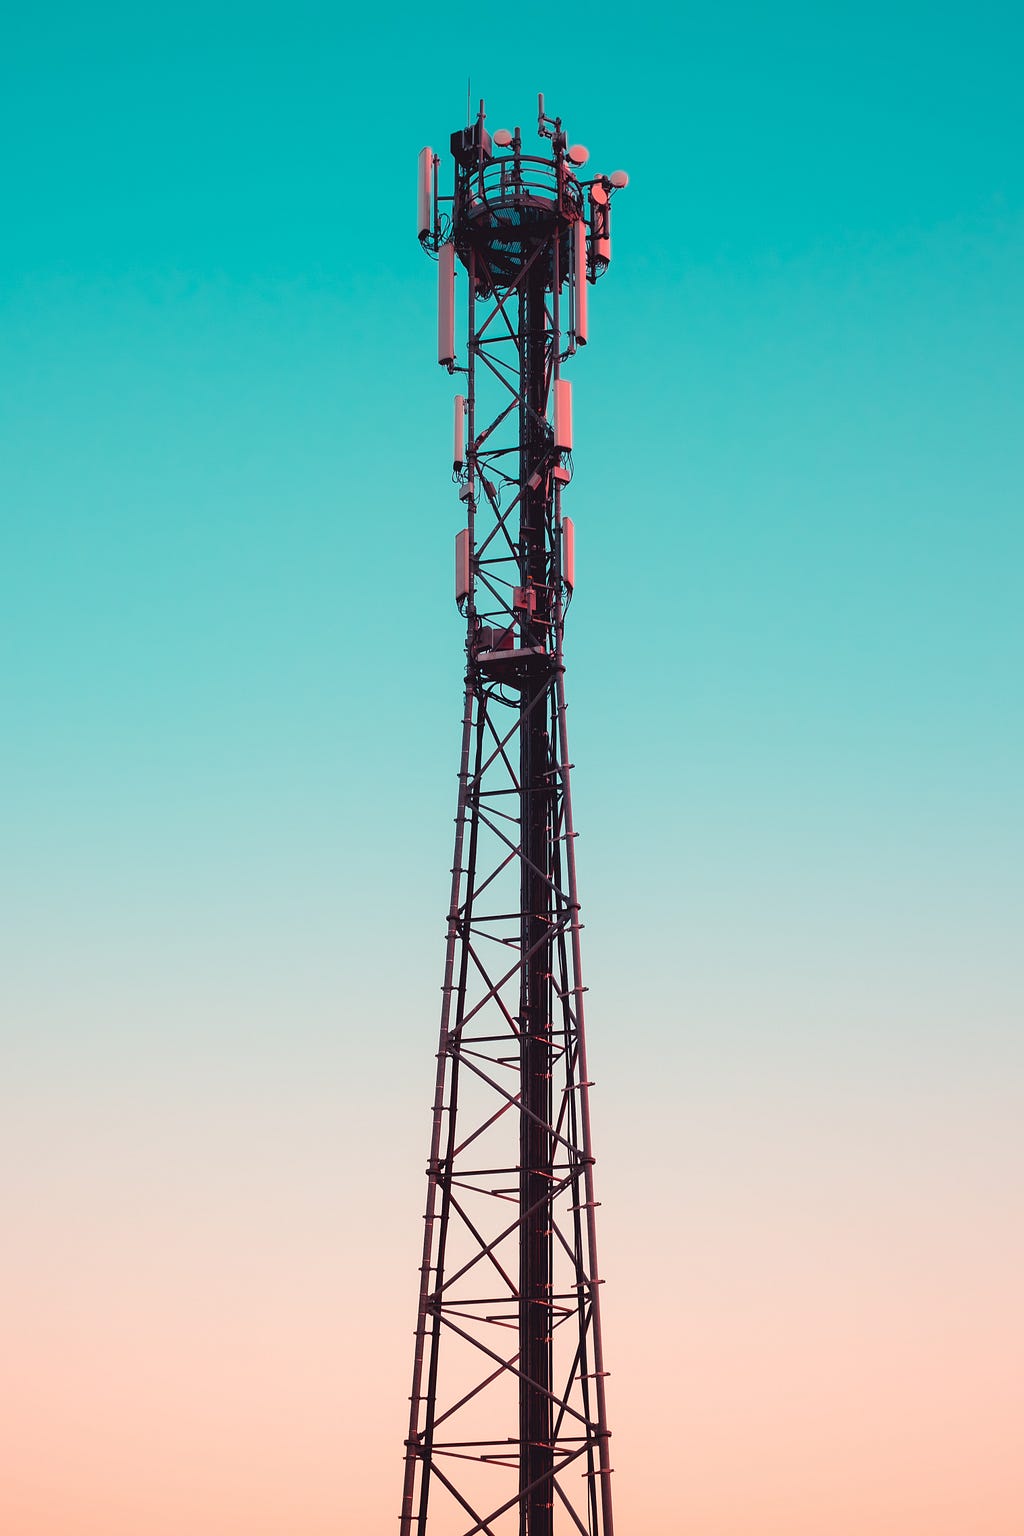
209, 1314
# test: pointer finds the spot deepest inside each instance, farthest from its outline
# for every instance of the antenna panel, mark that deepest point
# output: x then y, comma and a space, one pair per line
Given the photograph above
563, 415
461, 564
425, 194
459, 434
446, 304
580, 285
569, 552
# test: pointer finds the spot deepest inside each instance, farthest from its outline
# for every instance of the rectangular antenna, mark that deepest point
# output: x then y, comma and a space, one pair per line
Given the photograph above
459, 434
425, 194
446, 304
461, 564
563, 416
580, 279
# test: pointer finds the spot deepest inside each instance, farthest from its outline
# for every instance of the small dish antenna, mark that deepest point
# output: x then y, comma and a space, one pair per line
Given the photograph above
619, 179
502, 137
578, 154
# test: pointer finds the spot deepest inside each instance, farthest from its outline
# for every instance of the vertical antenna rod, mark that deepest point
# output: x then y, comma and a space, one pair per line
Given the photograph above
508, 1432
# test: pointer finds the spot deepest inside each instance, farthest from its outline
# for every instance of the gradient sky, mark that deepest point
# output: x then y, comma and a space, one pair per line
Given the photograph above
230, 707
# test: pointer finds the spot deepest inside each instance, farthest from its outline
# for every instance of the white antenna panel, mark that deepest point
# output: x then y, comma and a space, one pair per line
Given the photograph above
461, 564
459, 436
446, 304
425, 194
563, 416
580, 288
568, 552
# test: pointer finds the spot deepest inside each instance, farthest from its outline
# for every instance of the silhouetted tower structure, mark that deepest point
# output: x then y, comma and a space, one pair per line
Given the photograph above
508, 1430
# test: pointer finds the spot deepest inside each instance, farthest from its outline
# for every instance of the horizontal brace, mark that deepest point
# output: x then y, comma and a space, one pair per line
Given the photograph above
465, 1445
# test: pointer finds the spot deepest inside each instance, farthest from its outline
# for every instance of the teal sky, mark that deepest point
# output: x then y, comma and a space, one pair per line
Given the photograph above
231, 690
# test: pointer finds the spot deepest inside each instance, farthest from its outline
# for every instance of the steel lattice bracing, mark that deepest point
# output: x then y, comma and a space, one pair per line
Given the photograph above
508, 1429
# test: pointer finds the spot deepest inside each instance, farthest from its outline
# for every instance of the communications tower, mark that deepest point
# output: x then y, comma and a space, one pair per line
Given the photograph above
508, 1431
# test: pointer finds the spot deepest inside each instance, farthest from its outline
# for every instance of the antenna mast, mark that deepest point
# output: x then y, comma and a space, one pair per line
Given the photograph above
508, 1429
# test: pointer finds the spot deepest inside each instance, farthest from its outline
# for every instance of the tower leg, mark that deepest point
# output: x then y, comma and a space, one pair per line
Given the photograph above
536, 789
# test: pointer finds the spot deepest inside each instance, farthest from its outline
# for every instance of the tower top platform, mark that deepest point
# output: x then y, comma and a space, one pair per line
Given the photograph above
505, 204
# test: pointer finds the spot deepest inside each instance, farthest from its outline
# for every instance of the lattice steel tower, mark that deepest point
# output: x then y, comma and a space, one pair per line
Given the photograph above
508, 1431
